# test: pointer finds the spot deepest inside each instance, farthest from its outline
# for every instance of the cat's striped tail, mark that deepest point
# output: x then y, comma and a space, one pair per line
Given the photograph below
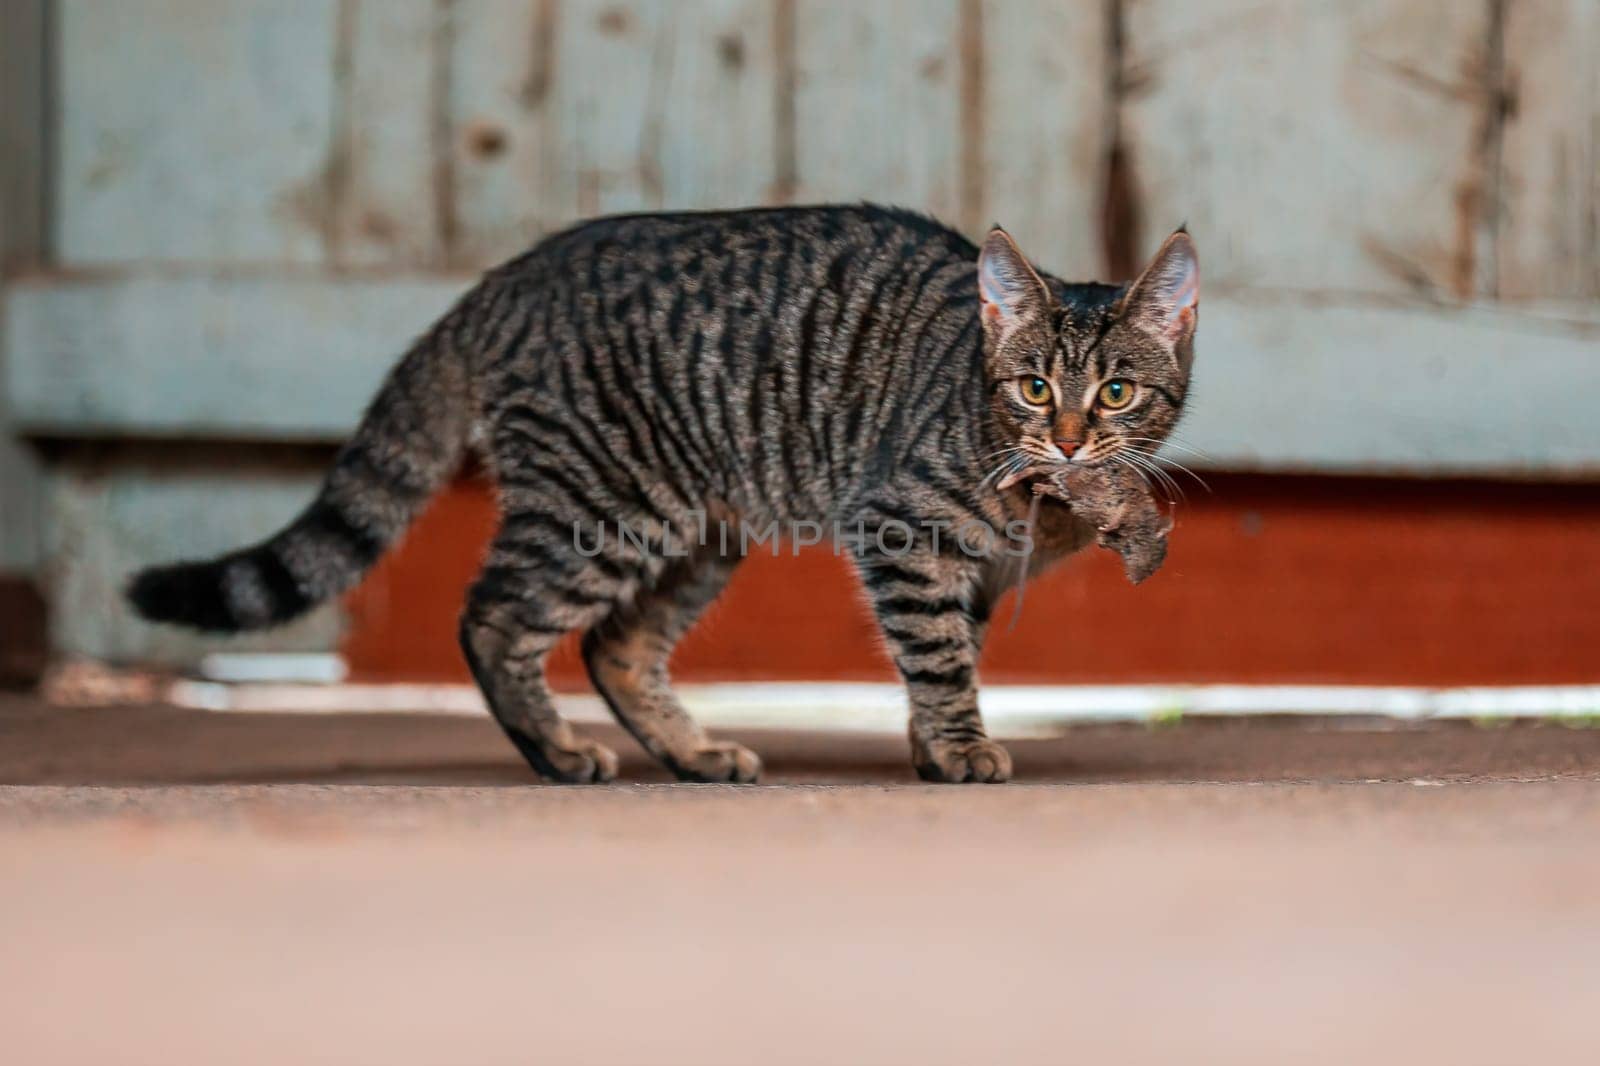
409, 442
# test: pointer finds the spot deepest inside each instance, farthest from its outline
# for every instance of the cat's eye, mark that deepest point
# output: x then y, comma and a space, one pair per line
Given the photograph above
1116, 394
1035, 390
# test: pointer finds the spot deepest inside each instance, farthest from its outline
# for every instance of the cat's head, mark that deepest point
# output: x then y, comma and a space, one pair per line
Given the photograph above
1086, 381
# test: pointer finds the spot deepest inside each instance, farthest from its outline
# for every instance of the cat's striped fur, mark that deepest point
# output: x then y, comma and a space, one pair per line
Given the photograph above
833, 364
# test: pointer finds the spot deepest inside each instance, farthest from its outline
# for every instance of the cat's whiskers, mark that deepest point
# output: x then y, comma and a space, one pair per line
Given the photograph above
1174, 488
1180, 441
1140, 474
1015, 457
1172, 441
999, 451
1137, 459
1022, 456
1173, 463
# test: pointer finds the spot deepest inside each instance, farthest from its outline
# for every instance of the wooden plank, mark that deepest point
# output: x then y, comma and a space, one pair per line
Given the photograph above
1549, 236
1042, 98
1312, 145
710, 125
500, 63
103, 522
194, 130
239, 359
593, 136
1286, 383
22, 132
878, 103
1282, 382
22, 244
565, 110
385, 206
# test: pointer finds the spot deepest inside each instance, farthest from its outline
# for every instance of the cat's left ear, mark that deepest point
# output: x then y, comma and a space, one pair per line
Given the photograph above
1165, 301
1010, 289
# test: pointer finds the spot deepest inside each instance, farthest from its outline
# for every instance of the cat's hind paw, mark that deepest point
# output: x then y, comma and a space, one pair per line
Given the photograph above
719, 761
579, 761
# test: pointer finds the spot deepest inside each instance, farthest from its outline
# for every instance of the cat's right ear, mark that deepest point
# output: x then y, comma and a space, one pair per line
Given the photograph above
1010, 290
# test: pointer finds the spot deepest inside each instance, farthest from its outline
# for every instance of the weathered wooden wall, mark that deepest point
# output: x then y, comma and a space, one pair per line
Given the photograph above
1362, 178
439, 133
1433, 148
23, 235
251, 203
1442, 148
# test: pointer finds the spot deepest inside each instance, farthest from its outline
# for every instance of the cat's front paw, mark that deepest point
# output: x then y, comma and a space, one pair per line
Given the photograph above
955, 762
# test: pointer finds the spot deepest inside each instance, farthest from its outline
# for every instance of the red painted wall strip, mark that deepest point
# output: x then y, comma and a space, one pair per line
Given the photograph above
1269, 579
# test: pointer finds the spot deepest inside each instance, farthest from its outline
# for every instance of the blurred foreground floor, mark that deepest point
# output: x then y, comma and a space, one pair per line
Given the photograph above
180, 887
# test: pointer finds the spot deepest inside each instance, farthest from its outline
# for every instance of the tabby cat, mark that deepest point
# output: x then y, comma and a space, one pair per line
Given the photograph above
851, 367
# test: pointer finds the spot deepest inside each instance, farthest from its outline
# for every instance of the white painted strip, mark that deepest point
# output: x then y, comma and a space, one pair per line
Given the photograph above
1011, 710
1531, 701
327, 699
314, 668
1394, 702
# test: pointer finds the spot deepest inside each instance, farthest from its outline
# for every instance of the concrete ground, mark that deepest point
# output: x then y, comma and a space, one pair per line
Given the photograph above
182, 887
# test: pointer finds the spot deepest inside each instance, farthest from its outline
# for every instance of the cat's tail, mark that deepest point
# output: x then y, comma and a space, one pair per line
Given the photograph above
409, 443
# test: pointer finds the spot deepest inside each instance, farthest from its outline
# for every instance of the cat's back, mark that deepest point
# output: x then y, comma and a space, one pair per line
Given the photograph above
761, 355
661, 246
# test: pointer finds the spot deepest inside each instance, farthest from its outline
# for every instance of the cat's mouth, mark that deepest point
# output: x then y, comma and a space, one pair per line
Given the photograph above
1036, 460
1040, 468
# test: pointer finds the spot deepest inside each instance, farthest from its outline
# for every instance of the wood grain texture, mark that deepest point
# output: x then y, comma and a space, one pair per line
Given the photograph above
23, 239
23, 45
501, 65
711, 129
1312, 145
382, 206
1550, 228
1042, 100
564, 109
1358, 581
877, 103
194, 131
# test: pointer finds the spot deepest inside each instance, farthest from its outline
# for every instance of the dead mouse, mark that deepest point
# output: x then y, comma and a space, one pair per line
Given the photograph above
1119, 504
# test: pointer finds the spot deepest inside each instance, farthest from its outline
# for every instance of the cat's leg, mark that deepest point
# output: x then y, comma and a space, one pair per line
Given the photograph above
514, 615
933, 612
627, 659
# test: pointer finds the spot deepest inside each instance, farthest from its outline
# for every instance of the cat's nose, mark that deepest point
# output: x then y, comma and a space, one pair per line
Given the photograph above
1068, 446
